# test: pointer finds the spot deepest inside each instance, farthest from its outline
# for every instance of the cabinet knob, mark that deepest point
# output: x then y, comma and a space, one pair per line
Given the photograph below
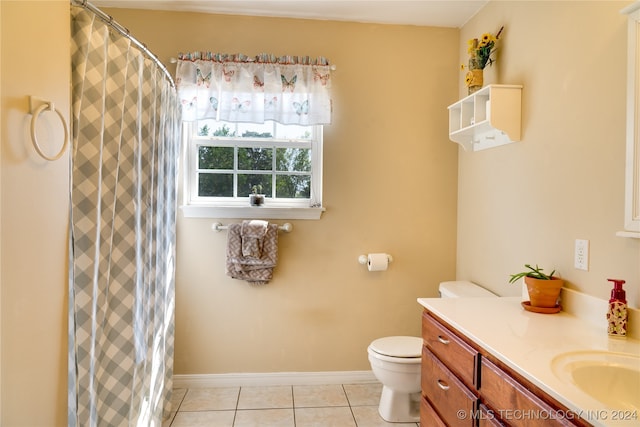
443, 340
443, 385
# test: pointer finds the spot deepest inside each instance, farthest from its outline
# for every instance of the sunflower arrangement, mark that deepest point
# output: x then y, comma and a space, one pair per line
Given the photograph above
480, 55
481, 50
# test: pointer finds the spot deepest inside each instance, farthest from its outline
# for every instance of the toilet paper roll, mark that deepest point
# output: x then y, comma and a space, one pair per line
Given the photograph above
377, 262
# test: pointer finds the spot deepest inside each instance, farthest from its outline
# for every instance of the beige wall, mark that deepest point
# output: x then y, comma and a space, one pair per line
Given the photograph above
1, 139
389, 186
34, 201
528, 202
323, 308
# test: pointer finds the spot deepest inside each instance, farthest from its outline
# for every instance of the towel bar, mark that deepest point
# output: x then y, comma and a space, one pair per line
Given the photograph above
286, 227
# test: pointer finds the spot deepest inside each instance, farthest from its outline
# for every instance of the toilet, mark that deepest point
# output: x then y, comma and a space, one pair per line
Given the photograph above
395, 362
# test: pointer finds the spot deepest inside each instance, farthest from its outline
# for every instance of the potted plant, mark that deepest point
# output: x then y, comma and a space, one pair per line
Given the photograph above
544, 289
256, 198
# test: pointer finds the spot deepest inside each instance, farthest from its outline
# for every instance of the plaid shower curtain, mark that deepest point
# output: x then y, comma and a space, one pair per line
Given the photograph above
122, 231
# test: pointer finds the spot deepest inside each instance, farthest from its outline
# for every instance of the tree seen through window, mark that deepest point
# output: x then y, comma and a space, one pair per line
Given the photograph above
233, 167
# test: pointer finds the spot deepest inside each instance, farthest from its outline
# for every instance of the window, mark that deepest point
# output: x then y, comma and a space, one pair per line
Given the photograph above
253, 122
226, 161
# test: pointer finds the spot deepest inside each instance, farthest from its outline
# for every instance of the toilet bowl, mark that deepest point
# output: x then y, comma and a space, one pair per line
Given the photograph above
396, 363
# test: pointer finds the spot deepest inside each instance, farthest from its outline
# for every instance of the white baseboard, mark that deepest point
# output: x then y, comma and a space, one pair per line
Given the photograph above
272, 378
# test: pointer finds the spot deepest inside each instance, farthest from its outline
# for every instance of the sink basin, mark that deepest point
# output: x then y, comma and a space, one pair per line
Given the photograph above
611, 378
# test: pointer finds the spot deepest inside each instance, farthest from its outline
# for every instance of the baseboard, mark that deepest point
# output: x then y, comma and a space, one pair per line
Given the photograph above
272, 378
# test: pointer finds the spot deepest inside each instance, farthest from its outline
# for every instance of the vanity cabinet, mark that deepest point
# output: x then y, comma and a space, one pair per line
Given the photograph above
449, 377
487, 118
513, 401
463, 387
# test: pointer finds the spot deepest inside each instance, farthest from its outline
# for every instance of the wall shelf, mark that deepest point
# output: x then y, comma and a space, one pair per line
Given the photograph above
487, 118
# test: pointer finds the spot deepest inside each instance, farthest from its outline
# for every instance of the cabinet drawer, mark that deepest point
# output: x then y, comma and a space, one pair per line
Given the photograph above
455, 353
510, 400
428, 415
450, 398
487, 418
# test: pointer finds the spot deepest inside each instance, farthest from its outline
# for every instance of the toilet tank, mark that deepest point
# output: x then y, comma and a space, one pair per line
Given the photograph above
463, 288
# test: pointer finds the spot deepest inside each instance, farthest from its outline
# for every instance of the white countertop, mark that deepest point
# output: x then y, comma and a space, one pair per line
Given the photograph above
528, 342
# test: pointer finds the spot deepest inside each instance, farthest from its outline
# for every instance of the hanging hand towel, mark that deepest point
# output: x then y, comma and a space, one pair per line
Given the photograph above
252, 234
257, 271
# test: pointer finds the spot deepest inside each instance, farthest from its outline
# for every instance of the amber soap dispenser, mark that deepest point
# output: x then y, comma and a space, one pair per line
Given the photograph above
617, 313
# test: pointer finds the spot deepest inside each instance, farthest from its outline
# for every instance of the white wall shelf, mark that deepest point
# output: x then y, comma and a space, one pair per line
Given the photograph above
487, 118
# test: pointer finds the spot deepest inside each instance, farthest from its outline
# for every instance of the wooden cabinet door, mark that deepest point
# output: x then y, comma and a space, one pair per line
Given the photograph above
488, 418
455, 353
513, 403
451, 399
428, 416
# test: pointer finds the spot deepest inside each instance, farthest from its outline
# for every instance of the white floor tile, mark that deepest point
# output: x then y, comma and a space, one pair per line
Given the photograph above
264, 418
265, 397
330, 416
368, 416
210, 399
204, 418
348, 405
313, 396
363, 394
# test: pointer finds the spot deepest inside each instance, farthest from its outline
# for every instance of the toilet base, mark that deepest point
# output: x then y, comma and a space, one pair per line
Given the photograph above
398, 407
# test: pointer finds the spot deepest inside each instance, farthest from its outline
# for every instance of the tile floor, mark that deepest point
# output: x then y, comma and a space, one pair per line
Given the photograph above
337, 405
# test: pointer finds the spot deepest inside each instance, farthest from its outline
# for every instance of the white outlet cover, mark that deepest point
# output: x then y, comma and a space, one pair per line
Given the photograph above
581, 255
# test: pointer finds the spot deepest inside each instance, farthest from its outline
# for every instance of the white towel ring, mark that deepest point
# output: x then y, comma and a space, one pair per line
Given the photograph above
34, 138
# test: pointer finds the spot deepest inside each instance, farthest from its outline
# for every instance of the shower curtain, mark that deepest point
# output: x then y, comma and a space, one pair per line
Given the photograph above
122, 230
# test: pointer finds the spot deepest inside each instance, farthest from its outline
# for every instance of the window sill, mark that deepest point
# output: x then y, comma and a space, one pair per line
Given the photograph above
631, 234
263, 212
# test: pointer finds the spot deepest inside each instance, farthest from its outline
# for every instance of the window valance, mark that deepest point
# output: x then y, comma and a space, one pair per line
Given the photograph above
238, 88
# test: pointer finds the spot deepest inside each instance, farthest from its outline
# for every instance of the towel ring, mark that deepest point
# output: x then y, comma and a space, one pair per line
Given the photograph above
47, 105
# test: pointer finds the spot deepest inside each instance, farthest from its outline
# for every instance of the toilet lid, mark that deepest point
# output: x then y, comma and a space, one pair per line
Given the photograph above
463, 288
398, 346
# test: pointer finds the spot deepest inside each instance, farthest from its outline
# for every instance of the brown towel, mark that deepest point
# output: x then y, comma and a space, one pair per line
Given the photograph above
252, 235
258, 271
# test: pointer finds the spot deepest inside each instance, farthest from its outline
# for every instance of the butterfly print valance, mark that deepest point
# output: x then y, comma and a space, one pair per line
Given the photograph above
238, 88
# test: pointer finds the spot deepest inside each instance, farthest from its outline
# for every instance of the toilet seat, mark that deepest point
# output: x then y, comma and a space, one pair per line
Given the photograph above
398, 346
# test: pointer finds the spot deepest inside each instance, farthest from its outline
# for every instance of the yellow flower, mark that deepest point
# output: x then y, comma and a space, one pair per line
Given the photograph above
486, 39
481, 51
468, 78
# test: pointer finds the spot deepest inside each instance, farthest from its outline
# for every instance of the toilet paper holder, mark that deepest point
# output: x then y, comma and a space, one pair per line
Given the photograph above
363, 259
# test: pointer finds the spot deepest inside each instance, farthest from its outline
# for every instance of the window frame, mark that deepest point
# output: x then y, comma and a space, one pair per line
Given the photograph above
195, 206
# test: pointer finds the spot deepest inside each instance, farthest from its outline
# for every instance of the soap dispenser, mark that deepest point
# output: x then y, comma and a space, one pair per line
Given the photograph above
617, 313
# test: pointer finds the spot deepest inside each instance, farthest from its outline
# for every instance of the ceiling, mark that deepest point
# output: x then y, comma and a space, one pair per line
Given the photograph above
437, 13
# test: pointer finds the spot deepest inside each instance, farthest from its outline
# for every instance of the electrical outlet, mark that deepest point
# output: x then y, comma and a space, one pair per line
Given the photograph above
581, 255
